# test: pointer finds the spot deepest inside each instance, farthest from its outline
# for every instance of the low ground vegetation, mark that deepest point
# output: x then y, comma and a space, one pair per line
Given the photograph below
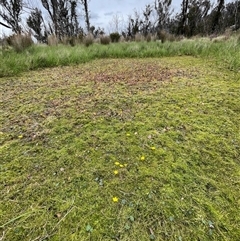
121, 141
121, 149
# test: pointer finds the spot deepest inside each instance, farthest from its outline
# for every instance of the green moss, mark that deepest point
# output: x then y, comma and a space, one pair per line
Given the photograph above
64, 131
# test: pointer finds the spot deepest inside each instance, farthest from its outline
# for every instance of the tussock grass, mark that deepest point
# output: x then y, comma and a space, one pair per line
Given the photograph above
225, 53
20, 42
134, 149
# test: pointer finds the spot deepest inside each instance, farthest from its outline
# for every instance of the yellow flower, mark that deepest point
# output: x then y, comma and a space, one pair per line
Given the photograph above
127, 134
115, 199
121, 165
21, 136
117, 163
142, 158
153, 148
115, 172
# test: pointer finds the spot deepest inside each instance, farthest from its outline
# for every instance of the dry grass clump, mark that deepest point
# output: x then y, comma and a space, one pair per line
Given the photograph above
148, 38
72, 40
88, 40
122, 39
65, 40
105, 40
139, 37
220, 39
52, 40
238, 39
153, 37
20, 42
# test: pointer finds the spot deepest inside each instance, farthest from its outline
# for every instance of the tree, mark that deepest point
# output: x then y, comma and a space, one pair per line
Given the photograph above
86, 12
164, 12
35, 22
115, 25
217, 15
63, 16
146, 23
231, 15
198, 10
182, 28
6, 26
74, 25
11, 13
134, 25
51, 7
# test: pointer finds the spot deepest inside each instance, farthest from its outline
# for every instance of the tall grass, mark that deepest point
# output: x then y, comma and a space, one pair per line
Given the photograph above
226, 53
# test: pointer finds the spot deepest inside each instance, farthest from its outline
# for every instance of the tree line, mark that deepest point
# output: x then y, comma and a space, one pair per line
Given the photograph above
196, 17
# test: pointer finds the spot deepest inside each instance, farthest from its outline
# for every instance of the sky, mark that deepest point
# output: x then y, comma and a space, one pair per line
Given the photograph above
104, 12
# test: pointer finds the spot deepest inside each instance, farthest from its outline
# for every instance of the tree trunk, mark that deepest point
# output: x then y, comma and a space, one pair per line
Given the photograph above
182, 25
217, 15
85, 8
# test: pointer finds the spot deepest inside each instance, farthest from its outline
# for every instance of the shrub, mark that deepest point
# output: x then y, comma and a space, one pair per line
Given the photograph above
115, 37
52, 40
73, 41
19, 42
105, 40
88, 40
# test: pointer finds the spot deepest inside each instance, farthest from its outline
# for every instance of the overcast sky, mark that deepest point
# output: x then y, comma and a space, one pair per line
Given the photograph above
102, 12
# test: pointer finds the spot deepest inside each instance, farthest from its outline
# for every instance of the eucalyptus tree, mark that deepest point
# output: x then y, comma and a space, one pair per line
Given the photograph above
164, 12
183, 28
11, 11
197, 17
86, 13
36, 23
63, 16
217, 15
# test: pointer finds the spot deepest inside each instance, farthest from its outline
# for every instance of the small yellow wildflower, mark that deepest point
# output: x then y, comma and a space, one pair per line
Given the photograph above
115, 172
142, 158
115, 199
153, 148
117, 163
121, 165
128, 134
21, 136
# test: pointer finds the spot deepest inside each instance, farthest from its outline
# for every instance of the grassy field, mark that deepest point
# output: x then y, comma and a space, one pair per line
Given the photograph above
225, 52
121, 149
